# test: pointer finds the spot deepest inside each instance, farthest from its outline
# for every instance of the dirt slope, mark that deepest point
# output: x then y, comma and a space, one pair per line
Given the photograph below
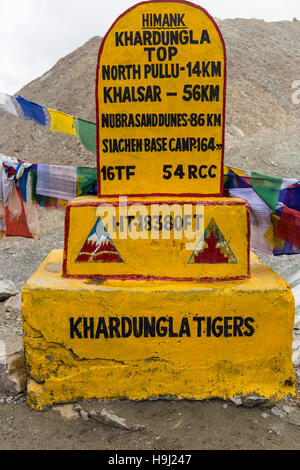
263, 61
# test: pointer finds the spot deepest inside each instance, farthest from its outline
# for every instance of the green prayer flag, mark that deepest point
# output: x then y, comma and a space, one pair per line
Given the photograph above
86, 132
267, 187
86, 179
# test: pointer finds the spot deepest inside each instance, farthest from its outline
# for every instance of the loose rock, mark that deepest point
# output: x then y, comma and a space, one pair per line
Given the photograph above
13, 375
248, 401
67, 412
109, 418
290, 414
84, 415
7, 289
13, 303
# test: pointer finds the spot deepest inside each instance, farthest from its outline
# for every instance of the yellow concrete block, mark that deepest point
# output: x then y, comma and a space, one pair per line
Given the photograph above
138, 339
166, 239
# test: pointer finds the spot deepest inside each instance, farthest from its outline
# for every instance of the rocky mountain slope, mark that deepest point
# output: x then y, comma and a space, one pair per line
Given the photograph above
262, 130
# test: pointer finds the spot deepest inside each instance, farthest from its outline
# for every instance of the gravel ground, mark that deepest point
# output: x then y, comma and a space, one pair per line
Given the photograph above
169, 425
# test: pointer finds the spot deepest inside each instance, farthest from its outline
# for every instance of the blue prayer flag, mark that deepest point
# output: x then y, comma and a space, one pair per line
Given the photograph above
32, 110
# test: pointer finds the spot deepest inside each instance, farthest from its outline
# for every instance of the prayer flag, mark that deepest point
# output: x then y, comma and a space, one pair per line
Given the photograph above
267, 187
56, 181
86, 132
16, 226
260, 218
61, 122
288, 226
86, 180
274, 232
32, 111
6, 104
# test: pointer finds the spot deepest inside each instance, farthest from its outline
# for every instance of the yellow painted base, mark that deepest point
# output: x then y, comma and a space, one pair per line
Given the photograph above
198, 340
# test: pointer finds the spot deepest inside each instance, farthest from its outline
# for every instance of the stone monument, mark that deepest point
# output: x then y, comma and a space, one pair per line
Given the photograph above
156, 293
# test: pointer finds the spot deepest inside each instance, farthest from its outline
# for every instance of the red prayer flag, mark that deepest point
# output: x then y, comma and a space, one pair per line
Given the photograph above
288, 226
17, 226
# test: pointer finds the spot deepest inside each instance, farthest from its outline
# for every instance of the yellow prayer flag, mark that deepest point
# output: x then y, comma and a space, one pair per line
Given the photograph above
61, 122
270, 233
238, 171
62, 203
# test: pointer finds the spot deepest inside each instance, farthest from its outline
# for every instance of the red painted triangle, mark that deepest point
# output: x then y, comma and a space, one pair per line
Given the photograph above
99, 247
215, 249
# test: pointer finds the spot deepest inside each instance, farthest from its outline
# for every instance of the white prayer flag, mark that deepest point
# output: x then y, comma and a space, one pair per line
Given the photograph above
56, 181
6, 103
